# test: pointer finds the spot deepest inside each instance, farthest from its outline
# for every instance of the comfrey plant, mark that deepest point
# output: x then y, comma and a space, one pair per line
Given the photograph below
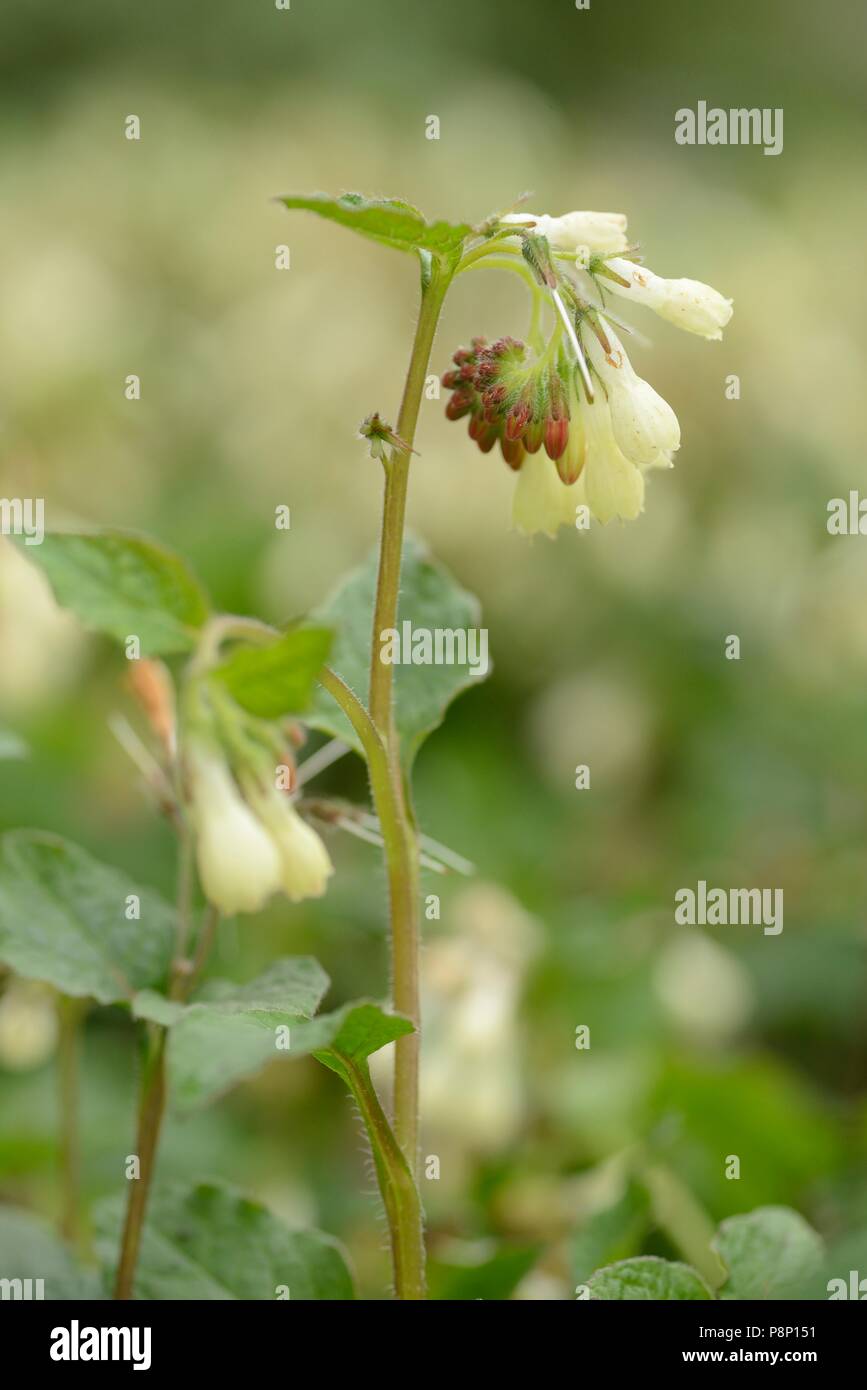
572, 391
226, 702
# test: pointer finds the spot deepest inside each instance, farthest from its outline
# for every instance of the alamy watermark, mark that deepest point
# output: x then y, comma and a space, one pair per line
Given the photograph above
439, 646
23, 516
24, 1289
732, 907
737, 126
77, 1343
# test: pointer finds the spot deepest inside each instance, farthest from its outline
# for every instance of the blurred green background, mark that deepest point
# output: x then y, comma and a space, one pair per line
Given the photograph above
157, 258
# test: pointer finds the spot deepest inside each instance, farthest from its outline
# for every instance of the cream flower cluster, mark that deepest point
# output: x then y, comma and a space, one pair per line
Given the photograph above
250, 843
603, 427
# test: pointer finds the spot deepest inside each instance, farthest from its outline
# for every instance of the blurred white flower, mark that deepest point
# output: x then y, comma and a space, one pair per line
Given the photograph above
41, 646
603, 719
471, 1077
705, 989
541, 1287
28, 1025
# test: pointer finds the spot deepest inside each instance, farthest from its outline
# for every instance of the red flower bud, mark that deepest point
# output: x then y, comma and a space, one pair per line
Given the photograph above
556, 436
484, 434
534, 434
516, 420
513, 452
478, 426
460, 404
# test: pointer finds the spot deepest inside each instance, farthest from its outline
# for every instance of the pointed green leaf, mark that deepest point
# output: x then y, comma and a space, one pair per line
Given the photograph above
771, 1252
210, 1242
125, 586
277, 679
63, 919
388, 220
29, 1249
429, 600
647, 1277
351, 1034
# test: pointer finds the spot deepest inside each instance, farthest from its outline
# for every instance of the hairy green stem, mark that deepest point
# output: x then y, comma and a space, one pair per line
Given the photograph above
402, 856
396, 1184
396, 1180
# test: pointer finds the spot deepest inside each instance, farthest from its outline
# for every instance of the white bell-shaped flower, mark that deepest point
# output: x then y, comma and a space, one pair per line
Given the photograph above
238, 862
305, 866
542, 501
644, 425
687, 303
611, 485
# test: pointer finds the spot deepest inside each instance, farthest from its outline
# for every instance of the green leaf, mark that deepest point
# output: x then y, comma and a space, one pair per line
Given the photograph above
29, 1249
429, 599
351, 1034
771, 1252
229, 1033
125, 586
210, 1242
647, 1277
63, 919
156, 1008
388, 220
293, 984
11, 744
277, 679
216, 1045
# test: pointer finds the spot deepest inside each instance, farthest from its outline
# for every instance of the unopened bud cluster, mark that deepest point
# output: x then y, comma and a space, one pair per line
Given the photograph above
512, 399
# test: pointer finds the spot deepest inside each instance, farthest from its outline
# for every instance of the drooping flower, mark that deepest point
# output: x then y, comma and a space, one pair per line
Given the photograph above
687, 303
542, 501
602, 426
611, 484
305, 866
645, 426
238, 861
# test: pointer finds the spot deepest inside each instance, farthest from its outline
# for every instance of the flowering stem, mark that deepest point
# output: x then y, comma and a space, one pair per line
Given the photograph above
402, 857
